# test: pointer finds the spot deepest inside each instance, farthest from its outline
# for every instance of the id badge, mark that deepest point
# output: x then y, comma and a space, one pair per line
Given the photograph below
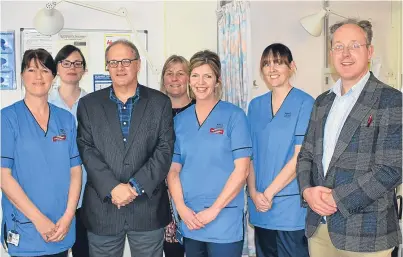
13, 237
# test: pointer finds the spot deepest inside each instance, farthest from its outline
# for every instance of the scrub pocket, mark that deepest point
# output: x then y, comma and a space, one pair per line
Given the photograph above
29, 237
228, 225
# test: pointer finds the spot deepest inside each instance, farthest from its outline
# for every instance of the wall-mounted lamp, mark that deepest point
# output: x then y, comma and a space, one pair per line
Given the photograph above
313, 23
49, 21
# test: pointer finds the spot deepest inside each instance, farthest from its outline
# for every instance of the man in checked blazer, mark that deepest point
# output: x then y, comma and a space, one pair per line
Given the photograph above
351, 159
125, 138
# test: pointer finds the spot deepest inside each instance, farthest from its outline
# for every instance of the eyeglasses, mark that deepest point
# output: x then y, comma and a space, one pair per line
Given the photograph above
338, 48
124, 62
67, 64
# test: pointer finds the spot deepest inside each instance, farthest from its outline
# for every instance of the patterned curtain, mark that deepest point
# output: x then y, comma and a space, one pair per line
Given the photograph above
234, 49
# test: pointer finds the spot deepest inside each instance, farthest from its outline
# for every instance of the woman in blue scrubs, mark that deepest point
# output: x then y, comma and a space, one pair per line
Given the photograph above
40, 167
278, 122
210, 165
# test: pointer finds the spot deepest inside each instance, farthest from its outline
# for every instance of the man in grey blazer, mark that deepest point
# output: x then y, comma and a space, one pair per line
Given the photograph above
351, 159
125, 138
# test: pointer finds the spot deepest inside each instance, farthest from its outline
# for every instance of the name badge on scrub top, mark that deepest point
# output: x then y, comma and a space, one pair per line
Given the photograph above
60, 137
218, 130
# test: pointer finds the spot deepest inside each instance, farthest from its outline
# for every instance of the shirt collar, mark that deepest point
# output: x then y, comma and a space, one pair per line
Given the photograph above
54, 95
132, 99
355, 90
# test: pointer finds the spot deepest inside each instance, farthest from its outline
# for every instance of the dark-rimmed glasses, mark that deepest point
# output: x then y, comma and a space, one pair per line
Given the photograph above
67, 64
124, 62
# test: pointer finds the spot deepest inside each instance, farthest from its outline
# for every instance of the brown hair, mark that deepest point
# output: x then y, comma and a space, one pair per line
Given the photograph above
213, 60
365, 25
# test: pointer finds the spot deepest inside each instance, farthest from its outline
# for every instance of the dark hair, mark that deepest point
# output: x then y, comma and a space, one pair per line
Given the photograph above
41, 56
66, 51
279, 52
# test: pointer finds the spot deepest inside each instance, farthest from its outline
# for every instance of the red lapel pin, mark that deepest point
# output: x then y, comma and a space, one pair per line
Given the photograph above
369, 120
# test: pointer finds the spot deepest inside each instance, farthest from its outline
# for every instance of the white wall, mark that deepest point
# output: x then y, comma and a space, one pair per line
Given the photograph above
277, 21
190, 26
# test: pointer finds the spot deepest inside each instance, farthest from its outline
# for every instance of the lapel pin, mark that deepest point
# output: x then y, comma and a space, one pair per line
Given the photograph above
369, 120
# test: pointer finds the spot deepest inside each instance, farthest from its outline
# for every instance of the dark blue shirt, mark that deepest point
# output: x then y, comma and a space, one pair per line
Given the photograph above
125, 111
125, 114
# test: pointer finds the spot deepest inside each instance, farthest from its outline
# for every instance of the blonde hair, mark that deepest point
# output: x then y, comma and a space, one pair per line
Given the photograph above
172, 60
211, 59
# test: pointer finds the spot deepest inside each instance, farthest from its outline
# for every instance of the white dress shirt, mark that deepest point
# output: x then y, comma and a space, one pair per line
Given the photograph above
338, 114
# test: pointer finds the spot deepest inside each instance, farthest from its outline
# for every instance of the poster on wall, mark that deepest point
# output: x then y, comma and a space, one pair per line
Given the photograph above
101, 81
7, 61
77, 39
35, 40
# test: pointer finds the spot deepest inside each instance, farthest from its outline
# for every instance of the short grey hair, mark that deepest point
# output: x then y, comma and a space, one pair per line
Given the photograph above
123, 42
365, 25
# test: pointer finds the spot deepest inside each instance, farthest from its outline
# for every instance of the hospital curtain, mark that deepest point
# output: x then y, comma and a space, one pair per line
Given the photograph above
234, 49
234, 42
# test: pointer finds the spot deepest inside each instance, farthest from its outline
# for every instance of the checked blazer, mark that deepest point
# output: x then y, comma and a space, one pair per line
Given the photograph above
365, 168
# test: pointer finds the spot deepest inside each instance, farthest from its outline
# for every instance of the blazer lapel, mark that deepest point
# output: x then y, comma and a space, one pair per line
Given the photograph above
137, 117
111, 113
360, 110
323, 113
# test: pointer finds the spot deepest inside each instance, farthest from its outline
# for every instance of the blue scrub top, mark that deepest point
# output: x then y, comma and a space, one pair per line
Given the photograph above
274, 140
40, 162
207, 153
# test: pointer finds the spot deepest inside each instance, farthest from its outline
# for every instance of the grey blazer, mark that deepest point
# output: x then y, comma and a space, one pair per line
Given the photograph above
146, 157
364, 170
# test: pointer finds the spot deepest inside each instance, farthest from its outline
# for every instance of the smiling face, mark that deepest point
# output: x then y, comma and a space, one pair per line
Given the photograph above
37, 79
276, 72
176, 80
72, 74
123, 76
203, 82
352, 62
